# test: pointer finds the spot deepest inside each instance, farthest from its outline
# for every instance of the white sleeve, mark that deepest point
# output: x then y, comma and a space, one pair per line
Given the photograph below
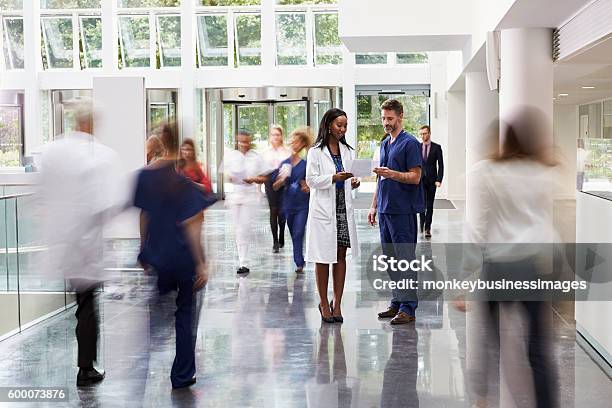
314, 178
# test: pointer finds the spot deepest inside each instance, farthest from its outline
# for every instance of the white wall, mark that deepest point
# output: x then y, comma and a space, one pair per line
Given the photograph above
455, 163
441, 23
439, 112
119, 122
565, 128
594, 224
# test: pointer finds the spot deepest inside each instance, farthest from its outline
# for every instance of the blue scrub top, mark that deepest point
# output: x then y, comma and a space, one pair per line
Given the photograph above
168, 199
294, 198
395, 197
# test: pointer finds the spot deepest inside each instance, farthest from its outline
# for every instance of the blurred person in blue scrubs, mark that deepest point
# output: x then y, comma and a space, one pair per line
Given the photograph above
79, 191
398, 199
170, 235
292, 176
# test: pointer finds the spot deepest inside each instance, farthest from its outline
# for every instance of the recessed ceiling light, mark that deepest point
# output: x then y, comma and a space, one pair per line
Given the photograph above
588, 87
554, 99
563, 94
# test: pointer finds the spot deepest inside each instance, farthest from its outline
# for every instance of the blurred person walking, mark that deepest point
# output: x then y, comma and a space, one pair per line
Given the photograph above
246, 170
154, 149
79, 190
433, 173
331, 230
510, 204
190, 167
292, 176
274, 156
170, 245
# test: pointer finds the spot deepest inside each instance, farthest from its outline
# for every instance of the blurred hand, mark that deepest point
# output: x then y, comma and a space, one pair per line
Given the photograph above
201, 277
341, 176
355, 183
384, 172
248, 180
438, 184
304, 187
372, 216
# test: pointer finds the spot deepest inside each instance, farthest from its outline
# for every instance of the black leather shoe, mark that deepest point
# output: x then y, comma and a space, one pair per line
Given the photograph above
427, 233
89, 376
243, 270
185, 385
275, 249
388, 314
281, 242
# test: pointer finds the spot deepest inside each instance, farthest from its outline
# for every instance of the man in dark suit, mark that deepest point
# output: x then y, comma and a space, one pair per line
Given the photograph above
433, 172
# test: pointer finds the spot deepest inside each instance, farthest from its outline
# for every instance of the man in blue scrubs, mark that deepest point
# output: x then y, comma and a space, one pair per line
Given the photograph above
398, 199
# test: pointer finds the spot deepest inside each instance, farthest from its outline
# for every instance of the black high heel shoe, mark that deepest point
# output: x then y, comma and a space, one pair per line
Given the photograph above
337, 319
325, 319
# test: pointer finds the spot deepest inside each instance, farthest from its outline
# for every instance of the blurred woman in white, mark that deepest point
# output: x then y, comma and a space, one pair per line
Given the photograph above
509, 214
331, 230
274, 156
246, 170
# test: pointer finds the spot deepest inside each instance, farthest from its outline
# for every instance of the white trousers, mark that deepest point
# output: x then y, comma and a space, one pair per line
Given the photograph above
242, 215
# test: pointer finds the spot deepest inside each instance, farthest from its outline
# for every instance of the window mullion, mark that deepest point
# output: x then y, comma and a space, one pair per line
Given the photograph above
153, 33
232, 36
76, 57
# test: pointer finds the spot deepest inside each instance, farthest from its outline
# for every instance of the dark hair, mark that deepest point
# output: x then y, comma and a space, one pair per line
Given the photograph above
323, 136
425, 127
394, 105
526, 137
169, 139
182, 162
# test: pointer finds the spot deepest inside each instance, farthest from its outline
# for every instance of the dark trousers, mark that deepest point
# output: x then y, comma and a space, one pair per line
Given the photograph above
186, 318
296, 221
398, 235
277, 219
87, 327
540, 351
425, 218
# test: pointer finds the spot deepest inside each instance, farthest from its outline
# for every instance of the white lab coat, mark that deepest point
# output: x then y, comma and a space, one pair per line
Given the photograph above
80, 194
321, 239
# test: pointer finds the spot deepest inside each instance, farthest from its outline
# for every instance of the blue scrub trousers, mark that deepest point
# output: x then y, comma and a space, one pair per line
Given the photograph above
398, 235
186, 318
296, 220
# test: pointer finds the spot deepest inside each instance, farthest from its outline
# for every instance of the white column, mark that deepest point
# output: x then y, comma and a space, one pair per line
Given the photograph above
187, 92
110, 36
349, 102
33, 64
481, 109
526, 71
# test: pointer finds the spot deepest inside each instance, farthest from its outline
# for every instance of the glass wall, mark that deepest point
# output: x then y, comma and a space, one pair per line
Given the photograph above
369, 128
594, 149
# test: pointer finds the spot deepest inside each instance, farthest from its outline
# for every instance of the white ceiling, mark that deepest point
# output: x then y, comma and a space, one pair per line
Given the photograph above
541, 13
592, 67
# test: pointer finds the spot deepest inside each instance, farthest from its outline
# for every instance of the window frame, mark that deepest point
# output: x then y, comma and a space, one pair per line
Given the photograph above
229, 35
4, 33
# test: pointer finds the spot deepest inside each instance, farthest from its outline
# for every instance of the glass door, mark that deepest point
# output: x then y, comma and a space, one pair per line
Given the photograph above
255, 118
291, 115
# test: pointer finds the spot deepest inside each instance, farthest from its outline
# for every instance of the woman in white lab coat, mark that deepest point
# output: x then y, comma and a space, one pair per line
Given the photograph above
331, 230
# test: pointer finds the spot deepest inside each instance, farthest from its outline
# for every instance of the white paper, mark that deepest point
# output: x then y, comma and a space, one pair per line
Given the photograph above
285, 170
362, 168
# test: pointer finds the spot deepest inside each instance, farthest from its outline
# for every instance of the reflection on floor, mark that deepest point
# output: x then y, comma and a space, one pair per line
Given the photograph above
261, 342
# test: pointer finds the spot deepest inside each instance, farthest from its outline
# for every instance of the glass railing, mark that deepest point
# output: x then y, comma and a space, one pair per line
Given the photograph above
27, 294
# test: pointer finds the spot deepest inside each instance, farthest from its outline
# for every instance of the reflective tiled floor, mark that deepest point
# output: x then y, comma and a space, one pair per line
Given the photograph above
261, 342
